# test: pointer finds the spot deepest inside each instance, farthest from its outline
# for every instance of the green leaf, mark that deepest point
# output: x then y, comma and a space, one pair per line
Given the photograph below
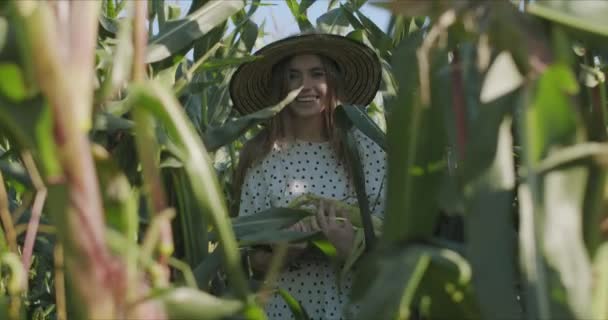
563, 203
299, 14
187, 303
553, 118
270, 219
15, 170
490, 232
4, 34
332, 4
276, 236
358, 177
196, 4
589, 16
209, 40
120, 200
362, 121
249, 35
167, 75
226, 62
162, 104
12, 85
334, 22
193, 223
600, 295
174, 11
380, 40
29, 123
392, 279
108, 24
216, 137
17, 119
294, 7
207, 268
416, 140
352, 19
295, 307
108, 122
120, 62
183, 32
483, 137
446, 289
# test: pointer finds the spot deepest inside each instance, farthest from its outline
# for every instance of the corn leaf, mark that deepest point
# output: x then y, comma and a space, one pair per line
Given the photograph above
362, 121
297, 310
416, 140
588, 16
490, 231
183, 32
216, 137
160, 102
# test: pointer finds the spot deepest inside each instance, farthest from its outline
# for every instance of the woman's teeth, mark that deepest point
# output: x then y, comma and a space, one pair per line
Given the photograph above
306, 99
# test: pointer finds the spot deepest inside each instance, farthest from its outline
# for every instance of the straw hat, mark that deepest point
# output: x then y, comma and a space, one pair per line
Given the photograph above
358, 65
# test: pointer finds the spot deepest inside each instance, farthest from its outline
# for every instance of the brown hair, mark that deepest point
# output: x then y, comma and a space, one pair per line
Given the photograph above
276, 129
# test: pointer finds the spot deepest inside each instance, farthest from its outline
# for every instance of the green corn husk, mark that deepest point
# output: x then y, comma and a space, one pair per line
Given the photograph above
310, 203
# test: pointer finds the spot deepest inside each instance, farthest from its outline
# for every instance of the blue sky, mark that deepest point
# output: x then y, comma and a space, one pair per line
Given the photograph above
280, 22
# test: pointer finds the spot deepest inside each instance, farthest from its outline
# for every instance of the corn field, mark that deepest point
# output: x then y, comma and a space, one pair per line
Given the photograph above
118, 144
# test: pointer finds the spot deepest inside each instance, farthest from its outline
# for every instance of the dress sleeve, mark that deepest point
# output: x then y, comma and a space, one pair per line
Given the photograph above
255, 195
373, 159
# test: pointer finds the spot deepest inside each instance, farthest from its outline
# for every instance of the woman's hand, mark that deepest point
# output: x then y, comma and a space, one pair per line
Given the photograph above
336, 227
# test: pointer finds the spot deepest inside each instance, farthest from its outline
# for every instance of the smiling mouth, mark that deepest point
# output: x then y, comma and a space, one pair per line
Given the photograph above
307, 99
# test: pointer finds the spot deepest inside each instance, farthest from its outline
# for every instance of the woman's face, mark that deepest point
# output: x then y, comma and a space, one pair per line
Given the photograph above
307, 71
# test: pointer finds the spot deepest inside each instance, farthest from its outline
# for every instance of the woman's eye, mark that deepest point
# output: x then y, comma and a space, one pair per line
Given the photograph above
318, 75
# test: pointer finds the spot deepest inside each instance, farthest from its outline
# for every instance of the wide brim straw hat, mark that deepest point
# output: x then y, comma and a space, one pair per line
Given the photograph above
358, 66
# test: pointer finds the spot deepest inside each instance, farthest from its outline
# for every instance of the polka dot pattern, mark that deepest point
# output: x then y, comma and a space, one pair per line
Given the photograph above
306, 167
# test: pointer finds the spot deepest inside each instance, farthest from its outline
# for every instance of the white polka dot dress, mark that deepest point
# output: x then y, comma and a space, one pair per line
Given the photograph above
308, 167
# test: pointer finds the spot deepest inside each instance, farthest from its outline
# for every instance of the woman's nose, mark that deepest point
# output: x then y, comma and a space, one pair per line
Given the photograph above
307, 82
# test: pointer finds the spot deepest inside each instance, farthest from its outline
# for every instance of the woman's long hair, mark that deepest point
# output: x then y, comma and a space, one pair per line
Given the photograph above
277, 130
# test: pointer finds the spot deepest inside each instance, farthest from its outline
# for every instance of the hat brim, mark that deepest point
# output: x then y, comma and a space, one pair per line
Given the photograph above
359, 66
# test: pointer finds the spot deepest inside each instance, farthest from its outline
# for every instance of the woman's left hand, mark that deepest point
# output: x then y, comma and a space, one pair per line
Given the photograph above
336, 227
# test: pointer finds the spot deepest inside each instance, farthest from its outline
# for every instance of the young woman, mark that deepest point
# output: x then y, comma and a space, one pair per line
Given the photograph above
301, 151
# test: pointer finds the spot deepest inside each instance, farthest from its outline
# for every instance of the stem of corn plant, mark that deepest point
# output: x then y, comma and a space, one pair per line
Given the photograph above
440, 28
59, 282
459, 104
147, 147
63, 68
7, 221
39, 198
276, 263
531, 257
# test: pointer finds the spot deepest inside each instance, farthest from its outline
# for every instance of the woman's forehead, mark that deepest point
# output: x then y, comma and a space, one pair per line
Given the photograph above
305, 61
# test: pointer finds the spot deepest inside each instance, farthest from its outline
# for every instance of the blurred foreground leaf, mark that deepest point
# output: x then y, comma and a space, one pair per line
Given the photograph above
187, 303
